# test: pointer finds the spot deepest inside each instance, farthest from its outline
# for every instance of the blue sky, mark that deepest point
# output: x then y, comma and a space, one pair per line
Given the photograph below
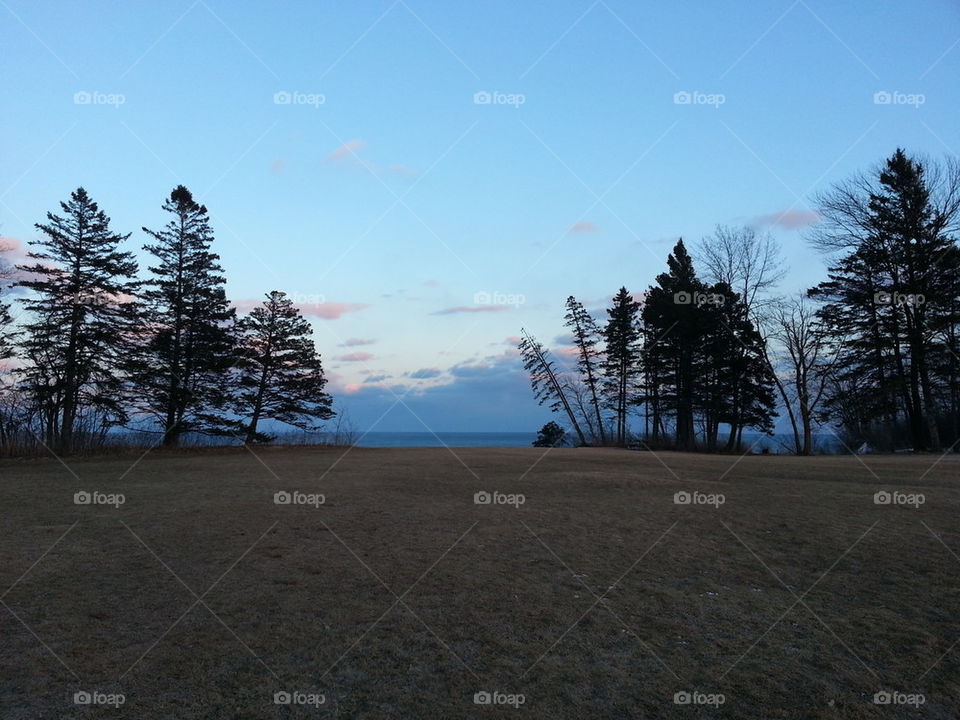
386, 207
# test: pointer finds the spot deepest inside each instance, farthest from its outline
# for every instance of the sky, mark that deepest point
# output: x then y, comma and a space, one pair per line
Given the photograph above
426, 178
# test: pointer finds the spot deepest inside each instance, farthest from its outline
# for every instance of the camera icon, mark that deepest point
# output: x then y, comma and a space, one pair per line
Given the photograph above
482, 698
282, 97
882, 298
882, 98
282, 498
682, 298
682, 98
82, 98
482, 298
682, 698
882, 498
482, 98
282, 697
82, 498
883, 697
482, 498
82, 697
682, 498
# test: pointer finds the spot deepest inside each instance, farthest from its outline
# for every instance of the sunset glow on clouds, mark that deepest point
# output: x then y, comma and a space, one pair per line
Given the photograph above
385, 211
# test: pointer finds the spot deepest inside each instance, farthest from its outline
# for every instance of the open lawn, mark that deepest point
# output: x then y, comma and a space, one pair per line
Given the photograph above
399, 596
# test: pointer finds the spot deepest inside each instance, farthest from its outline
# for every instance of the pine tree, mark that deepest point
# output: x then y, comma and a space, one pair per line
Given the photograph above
279, 372
890, 303
586, 336
621, 366
547, 386
181, 374
673, 322
77, 338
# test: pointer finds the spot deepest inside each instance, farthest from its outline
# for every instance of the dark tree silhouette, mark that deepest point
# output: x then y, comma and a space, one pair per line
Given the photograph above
586, 336
890, 305
550, 435
180, 375
81, 318
546, 385
279, 374
621, 367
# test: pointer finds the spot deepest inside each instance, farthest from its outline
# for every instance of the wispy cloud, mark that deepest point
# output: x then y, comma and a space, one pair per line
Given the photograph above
348, 149
354, 342
473, 309
355, 357
788, 219
323, 310
584, 226
425, 373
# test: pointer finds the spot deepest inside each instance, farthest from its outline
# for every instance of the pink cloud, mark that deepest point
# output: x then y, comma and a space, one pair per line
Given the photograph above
346, 150
432, 283
355, 357
323, 310
512, 340
473, 309
353, 342
584, 226
399, 169
789, 219
279, 166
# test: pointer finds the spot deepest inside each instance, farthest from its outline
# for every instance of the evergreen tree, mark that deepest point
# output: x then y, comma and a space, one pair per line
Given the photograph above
586, 336
547, 386
279, 372
550, 435
77, 338
673, 321
890, 303
621, 366
181, 374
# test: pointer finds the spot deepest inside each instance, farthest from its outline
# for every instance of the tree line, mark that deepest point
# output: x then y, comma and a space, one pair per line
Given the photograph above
102, 348
870, 353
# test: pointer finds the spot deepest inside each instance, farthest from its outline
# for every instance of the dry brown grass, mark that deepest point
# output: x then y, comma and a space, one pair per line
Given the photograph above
598, 597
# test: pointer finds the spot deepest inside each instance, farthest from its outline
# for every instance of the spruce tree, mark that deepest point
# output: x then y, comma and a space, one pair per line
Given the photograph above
181, 375
621, 366
586, 336
673, 323
890, 303
279, 374
80, 319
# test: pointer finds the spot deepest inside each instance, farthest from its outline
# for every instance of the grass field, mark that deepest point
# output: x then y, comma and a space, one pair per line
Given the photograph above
399, 596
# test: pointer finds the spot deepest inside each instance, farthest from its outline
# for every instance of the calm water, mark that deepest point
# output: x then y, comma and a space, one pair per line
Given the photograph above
450, 439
